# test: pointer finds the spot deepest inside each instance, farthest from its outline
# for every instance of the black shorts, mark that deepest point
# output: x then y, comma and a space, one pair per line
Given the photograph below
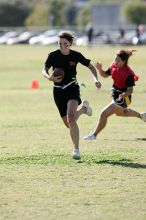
125, 102
62, 96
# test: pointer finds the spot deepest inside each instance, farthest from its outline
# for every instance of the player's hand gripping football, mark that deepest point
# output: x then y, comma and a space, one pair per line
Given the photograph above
56, 79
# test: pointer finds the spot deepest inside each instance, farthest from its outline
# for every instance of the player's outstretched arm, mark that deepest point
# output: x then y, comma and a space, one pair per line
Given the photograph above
95, 77
101, 71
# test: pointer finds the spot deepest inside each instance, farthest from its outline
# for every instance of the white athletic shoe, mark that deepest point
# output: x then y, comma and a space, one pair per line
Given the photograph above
90, 137
143, 116
76, 154
89, 109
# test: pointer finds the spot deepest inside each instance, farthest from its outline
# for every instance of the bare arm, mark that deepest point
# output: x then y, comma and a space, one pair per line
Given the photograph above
127, 93
45, 73
101, 71
94, 74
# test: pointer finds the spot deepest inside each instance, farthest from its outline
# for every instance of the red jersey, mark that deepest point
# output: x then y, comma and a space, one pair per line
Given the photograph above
120, 74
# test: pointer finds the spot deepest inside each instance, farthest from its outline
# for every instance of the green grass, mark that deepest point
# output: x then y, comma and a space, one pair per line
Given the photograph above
38, 178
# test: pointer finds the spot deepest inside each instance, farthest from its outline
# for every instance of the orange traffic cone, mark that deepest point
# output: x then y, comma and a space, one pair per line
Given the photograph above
35, 84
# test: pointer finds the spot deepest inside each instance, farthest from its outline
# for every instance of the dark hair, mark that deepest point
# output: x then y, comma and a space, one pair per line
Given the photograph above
125, 54
67, 35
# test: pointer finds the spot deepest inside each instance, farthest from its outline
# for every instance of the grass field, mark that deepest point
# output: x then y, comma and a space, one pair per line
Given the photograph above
38, 178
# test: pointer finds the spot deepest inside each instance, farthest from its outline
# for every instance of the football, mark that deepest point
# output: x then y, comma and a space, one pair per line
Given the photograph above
58, 72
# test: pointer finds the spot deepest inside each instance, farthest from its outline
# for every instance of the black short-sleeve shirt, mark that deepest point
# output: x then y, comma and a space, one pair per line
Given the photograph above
67, 62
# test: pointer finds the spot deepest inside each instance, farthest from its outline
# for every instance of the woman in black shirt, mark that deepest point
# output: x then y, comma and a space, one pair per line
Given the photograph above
66, 90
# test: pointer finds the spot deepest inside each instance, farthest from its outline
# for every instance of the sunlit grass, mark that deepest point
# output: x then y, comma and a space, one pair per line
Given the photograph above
39, 179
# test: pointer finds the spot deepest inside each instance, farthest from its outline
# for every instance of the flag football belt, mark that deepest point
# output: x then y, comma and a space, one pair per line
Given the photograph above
65, 86
119, 91
126, 99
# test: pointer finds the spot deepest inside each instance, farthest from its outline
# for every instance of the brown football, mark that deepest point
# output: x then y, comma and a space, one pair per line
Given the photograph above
58, 72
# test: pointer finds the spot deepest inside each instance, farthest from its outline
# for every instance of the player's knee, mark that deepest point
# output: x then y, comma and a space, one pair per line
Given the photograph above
71, 119
65, 121
122, 112
118, 114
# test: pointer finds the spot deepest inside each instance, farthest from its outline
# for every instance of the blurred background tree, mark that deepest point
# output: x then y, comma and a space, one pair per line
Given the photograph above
135, 12
61, 12
56, 12
12, 14
52, 13
84, 16
71, 12
38, 16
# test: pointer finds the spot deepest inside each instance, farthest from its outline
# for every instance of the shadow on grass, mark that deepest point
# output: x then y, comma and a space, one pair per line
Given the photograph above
123, 164
140, 139
124, 139
115, 160
61, 159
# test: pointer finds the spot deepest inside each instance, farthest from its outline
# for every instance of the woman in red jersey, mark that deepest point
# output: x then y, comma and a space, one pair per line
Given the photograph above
123, 81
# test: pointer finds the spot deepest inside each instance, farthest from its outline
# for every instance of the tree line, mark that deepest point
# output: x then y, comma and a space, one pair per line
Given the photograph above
61, 12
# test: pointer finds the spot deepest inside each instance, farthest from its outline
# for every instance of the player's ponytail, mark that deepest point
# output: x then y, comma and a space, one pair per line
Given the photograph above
130, 52
125, 54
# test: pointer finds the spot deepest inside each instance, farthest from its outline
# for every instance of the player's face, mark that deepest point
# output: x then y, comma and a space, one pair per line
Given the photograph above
64, 45
118, 61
